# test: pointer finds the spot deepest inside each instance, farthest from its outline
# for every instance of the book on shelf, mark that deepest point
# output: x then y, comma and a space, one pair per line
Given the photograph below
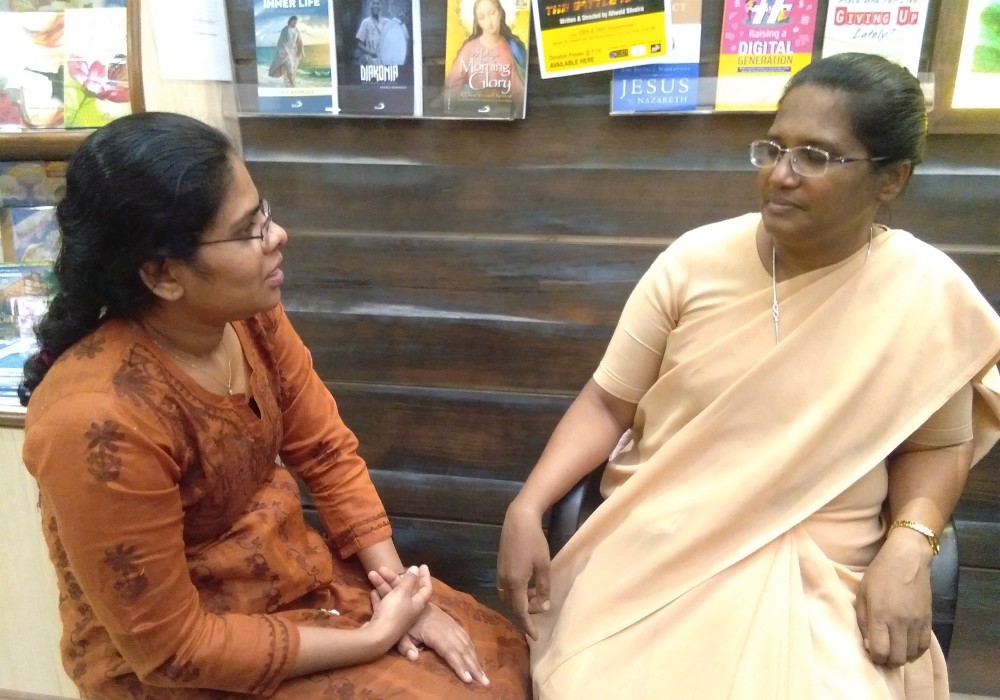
885, 27
486, 59
378, 55
763, 44
31, 183
669, 85
24, 296
29, 235
63, 69
96, 84
294, 57
32, 69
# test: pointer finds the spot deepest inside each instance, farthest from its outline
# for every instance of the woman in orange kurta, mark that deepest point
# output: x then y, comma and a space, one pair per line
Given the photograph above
172, 413
806, 391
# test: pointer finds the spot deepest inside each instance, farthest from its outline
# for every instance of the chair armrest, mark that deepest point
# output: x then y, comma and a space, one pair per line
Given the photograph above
944, 587
568, 513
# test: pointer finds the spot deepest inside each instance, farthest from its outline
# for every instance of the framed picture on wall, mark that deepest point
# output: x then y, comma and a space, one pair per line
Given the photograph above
966, 65
64, 71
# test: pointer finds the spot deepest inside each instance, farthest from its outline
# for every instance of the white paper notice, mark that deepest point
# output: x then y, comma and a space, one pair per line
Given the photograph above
192, 39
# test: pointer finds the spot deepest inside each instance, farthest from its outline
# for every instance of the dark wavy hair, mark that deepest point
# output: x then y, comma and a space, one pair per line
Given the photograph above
885, 101
142, 188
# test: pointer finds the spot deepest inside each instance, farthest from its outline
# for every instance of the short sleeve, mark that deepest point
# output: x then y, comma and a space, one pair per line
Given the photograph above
631, 363
949, 425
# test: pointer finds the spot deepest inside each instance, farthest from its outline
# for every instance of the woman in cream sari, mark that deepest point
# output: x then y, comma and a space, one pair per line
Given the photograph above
806, 391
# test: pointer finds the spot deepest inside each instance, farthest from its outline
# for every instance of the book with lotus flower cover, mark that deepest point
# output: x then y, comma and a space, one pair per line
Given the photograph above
96, 88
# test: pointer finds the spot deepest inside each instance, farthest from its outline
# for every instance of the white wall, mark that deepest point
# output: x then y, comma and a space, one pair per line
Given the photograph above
29, 617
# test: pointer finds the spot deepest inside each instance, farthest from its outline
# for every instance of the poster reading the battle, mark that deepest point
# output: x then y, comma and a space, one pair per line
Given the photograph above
764, 43
890, 28
586, 36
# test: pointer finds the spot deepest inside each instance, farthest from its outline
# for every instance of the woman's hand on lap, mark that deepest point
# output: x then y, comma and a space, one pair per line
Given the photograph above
894, 601
433, 629
523, 557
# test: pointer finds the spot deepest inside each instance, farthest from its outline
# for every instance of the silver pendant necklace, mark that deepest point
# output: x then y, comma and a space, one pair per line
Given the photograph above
775, 307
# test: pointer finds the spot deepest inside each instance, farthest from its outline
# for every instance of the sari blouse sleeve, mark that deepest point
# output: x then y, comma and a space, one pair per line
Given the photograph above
321, 449
631, 363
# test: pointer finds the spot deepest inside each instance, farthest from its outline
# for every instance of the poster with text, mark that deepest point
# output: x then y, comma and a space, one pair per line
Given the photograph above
890, 28
977, 82
586, 36
667, 86
294, 50
764, 43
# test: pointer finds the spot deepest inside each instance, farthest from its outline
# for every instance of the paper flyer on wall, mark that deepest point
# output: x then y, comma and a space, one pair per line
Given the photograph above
671, 85
890, 28
764, 43
585, 36
379, 57
294, 56
486, 59
977, 80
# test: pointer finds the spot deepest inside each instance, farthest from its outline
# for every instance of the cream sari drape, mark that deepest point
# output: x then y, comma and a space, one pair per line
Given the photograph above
701, 577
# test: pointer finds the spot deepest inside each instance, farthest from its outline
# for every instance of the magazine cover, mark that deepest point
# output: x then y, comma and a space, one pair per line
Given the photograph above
96, 88
378, 47
670, 85
24, 293
486, 58
32, 183
54, 5
31, 69
764, 43
294, 74
29, 235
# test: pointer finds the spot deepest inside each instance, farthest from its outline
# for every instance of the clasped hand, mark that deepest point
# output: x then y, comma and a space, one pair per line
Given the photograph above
433, 629
894, 602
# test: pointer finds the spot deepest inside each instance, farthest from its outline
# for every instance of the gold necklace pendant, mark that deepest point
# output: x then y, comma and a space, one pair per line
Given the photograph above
227, 385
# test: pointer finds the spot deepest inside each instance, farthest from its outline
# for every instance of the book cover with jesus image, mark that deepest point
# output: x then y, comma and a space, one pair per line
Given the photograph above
486, 59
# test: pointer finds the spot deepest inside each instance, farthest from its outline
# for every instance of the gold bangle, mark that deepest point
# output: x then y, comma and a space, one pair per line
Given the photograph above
923, 530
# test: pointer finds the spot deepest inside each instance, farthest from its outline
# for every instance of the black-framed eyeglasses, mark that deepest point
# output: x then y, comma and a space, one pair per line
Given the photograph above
262, 233
807, 161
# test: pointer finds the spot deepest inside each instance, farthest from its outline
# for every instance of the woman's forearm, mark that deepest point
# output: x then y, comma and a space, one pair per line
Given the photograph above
925, 485
382, 554
321, 649
582, 440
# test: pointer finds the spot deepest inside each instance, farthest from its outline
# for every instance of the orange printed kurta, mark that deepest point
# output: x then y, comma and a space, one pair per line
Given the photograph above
181, 553
740, 519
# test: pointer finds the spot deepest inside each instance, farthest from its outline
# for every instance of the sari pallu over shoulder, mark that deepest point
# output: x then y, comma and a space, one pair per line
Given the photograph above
783, 436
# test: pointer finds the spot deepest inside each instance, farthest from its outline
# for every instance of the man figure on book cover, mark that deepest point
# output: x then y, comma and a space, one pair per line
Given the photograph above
370, 34
289, 52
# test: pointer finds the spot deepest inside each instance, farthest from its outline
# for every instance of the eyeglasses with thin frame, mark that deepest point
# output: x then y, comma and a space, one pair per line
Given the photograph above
807, 161
262, 233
